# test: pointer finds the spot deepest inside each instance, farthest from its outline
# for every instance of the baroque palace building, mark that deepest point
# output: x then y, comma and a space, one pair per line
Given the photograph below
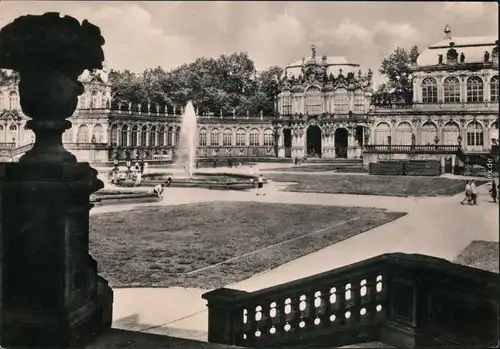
324, 109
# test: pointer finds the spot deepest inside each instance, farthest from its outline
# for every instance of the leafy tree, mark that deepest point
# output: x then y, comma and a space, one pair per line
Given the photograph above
396, 67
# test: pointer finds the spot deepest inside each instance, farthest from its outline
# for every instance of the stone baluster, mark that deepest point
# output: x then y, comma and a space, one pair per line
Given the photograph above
157, 107
51, 293
139, 108
149, 108
130, 108
119, 107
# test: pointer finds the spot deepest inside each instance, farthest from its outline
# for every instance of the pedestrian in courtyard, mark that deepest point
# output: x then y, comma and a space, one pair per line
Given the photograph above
493, 191
158, 190
141, 167
138, 179
168, 183
473, 192
145, 167
260, 185
467, 194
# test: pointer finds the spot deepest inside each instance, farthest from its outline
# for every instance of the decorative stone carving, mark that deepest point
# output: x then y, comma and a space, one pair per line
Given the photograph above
61, 302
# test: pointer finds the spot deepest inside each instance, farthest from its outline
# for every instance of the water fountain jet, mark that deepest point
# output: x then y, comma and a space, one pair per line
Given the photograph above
186, 155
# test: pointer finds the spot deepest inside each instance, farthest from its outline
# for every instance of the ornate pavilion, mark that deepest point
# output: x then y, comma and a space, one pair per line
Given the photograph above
323, 110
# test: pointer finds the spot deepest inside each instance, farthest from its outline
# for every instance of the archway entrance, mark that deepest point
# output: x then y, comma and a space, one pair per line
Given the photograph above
313, 141
287, 142
341, 143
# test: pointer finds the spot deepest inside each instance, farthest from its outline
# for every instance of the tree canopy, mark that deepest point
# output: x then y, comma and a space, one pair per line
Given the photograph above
227, 83
399, 85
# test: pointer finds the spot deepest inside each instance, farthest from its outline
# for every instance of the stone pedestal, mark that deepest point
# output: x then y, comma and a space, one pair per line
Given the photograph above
51, 293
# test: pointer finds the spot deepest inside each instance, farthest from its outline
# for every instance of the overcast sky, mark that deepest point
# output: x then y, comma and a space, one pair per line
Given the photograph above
143, 35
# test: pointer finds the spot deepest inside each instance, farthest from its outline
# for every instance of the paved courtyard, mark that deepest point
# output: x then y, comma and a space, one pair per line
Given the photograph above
437, 226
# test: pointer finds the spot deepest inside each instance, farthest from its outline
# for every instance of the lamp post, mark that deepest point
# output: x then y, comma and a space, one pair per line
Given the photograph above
459, 141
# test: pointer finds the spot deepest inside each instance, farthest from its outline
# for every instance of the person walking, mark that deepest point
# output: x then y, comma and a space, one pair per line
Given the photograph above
260, 185
473, 192
467, 194
493, 191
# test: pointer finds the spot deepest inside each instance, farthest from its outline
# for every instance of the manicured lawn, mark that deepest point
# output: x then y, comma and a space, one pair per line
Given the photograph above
481, 255
167, 246
372, 185
344, 168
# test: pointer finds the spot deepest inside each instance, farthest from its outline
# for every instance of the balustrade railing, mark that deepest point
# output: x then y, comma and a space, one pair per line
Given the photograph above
401, 300
419, 149
7, 145
439, 106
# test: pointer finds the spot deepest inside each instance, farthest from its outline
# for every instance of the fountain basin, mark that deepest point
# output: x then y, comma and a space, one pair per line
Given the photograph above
121, 195
217, 181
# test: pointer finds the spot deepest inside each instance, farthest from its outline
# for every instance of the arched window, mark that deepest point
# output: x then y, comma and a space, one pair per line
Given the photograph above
429, 90
382, 132
98, 133
2, 107
82, 135
135, 134
152, 137
124, 136
13, 100
103, 101
177, 136
227, 137
494, 132
286, 103
82, 101
474, 89
2, 134
359, 102
341, 101
475, 137
144, 136
161, 136
314, 105
494, 89
170, 136
254, 137
12, 133
268, 137
67, 136
451, 90
214, 137
94, 103
202, 141
451, 131
403, 134
113, 133
241, 137
429, 133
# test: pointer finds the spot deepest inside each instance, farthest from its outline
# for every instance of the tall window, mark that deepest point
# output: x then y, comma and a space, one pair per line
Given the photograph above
13, 100
144, 136
82, 135
2, 134
135, 134
170, 136
152, 136
240, 137
494, 89
161, 136
474, 89
451, 131
341, 101
203, 137
98, 133
124, 136
254, 137
475, 135
114, 135
314, 105
13, 133
451, 90
286, 103
67, 138
382, 132
359, 102
268, 137
214, 137
1, 101
227, 137
429, 90
177, 136
103, 101
94, 101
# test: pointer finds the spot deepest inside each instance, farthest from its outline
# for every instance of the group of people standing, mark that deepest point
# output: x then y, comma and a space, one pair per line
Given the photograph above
471, 192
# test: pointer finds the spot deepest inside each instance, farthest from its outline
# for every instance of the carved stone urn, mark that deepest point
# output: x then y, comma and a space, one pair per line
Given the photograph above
52, 295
